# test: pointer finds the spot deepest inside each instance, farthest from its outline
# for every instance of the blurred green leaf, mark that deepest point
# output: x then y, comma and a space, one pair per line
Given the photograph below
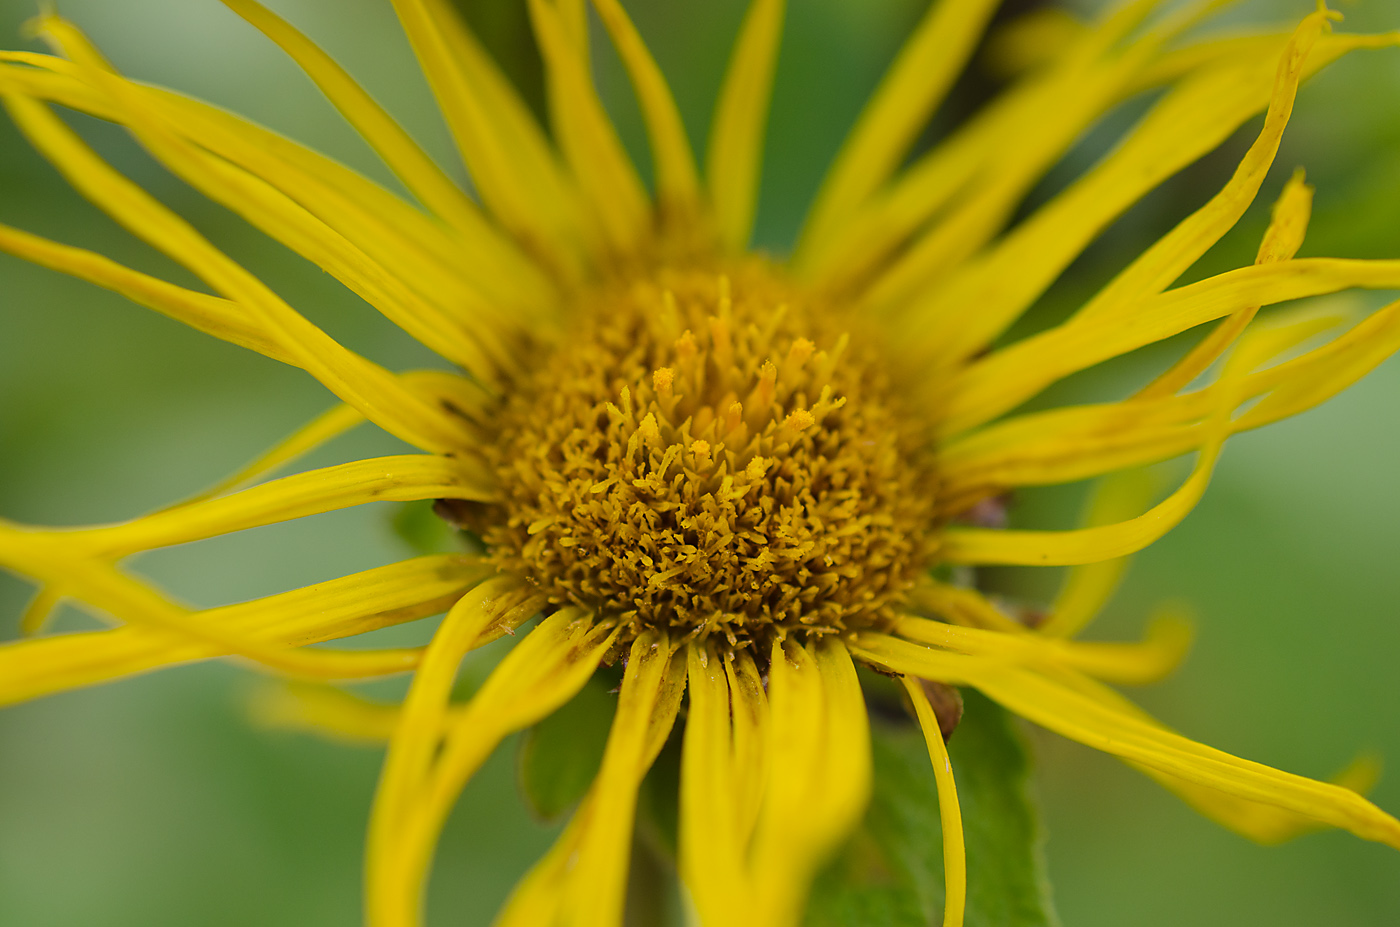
560, 755
423, 531
891, 871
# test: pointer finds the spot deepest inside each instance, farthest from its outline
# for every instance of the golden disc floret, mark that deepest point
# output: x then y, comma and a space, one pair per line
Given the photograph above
715, 453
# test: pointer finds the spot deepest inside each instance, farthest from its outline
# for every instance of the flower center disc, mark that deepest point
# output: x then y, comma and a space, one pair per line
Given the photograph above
712, 454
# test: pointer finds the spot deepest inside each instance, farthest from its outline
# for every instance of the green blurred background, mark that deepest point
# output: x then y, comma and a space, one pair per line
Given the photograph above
154, 801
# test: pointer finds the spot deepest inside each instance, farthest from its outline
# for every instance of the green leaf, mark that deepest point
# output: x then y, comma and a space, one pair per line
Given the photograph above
891, 871
418, 526
560, 756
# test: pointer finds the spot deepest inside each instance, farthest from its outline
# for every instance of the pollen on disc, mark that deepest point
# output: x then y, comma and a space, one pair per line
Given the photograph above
715, 453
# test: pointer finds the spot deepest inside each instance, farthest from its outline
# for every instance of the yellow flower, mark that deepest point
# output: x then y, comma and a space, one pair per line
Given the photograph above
739, 477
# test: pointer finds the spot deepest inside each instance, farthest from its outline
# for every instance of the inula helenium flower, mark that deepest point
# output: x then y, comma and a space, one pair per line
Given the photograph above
735, 477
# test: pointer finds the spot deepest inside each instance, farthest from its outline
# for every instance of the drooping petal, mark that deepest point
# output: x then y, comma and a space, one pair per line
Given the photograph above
221, 318
1066, 711
583, 878
422, 720
715, 779
543, 671
338, 608
1282, 240
1259, 821
1087, 588
361, 383
397, 479
819, 773
949, 814
383, 133
1087, 545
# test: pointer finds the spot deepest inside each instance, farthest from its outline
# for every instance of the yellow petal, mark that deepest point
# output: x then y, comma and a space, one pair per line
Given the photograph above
713, 836
1087, 545
393, 479
1282, 240
949, 814
1167, 640
1066, 711
1076, 442
1008, 377
422, 720
325, 710
543, 671
1088, 587
606, 175
214, 316
932, 57
1190, 121
818, 773
646, 710
677, 187
379, 279
359, 382
734, 161
398, 150
994, 162
508, 155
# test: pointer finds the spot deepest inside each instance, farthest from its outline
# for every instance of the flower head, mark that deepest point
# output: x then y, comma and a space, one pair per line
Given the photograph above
737, 477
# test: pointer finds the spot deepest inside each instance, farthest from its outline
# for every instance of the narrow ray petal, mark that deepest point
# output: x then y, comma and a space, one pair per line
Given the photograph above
476, 347
677, 187
606, 175
1068, 712
398, 150
363, 384
1088, 587
1166, 643
424, 715
452, 259
1087, 545
967, 157
212, 315
915, 84
1282, 240
594, 892
1014, 374
40, 609
543, 671
1077, 442
100, 585
713, 840
395, 479
1193, 119
1001, 156
734, 161
507, 153
459, 393
339, 608
324, 710
949, 814
818, 773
